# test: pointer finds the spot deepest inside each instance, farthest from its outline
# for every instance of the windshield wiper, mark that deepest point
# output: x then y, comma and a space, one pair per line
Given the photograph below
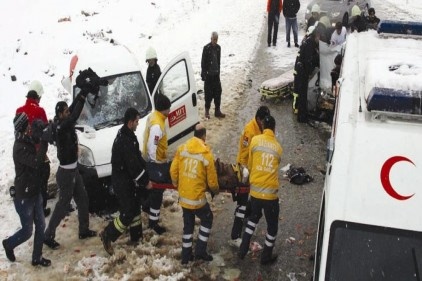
108, 123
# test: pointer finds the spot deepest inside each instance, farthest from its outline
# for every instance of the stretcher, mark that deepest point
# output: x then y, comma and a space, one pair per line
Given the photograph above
236, 189
280, 87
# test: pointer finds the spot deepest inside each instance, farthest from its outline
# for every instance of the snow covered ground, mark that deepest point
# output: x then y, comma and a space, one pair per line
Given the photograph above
38, 40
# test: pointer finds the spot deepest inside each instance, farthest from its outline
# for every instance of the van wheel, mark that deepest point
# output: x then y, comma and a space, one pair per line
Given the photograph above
346, 20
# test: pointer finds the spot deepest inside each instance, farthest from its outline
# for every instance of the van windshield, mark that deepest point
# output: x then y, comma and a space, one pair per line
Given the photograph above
108, 109
366, 252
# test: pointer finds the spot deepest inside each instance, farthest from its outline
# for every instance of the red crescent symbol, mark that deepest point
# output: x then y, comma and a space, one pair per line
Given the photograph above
385, 176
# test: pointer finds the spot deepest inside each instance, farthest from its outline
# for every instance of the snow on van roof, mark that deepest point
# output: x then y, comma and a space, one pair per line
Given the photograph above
394, 63
107, 59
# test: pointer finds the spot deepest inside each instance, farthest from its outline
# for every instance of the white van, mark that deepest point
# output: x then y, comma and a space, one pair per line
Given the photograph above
370, 225
102, 116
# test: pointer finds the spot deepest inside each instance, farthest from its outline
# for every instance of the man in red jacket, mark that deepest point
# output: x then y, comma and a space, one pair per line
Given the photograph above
35, 112
274, 8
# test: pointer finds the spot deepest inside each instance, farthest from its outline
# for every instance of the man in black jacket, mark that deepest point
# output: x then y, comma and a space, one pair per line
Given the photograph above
290, 9
306, 61
27, 198
130, 179
210, 74
68, 179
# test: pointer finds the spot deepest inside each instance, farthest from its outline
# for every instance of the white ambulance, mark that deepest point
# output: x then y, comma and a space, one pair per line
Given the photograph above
103, 115
370, 225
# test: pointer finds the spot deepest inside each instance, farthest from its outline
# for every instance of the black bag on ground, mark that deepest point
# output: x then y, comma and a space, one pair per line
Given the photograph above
298, 176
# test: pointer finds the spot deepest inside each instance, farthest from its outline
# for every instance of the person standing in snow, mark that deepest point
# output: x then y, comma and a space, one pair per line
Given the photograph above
306, 61
264, 158
339, 35
130, 180
210, 74
290, 9
251, 129
34, 111
155, 148
359, 22
193, 173
274, 8
371, 20
153, 71
68, 178
27, 198
315, 11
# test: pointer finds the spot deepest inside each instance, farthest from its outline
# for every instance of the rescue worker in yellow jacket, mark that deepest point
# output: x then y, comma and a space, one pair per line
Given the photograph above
193, 173
155, 154
251, 129
264, 159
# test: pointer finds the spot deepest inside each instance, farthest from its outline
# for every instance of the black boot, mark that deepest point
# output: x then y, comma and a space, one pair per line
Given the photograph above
201, 251
186, 255
43, 262
267, 256
156, 227
9, 252
207, 113
219, 114
135, 233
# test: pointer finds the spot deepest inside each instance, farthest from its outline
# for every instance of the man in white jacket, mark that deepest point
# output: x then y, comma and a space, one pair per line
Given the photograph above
339, 35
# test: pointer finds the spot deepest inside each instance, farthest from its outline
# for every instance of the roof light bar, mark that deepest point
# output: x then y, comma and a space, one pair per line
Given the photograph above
400, 27
398, 101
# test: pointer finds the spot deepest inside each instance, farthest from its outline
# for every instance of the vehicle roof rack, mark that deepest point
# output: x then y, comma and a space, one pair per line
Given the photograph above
400, 27
395, 103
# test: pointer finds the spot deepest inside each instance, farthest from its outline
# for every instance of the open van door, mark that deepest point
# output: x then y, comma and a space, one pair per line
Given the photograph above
177, 82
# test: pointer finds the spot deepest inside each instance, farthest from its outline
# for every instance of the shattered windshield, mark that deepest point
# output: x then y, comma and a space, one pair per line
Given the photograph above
367, 252
108, 108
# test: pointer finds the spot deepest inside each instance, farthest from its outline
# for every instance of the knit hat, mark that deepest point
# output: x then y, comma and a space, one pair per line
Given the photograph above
20, 122
162, 102
262, 112
37, 87
150, 54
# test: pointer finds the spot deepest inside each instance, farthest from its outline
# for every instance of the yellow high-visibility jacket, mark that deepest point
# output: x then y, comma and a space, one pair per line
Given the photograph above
264, 158
251, 129
193, 172
155, 141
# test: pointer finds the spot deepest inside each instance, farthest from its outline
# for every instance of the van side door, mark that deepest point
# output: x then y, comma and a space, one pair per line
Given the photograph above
177, 82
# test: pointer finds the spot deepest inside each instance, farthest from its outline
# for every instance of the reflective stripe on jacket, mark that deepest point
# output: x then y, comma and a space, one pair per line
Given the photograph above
193, 172
264, 158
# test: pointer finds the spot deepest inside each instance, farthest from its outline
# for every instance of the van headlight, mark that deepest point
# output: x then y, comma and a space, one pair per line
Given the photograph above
86, 157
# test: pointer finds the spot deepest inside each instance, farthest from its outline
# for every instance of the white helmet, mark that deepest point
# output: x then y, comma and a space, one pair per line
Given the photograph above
316, 9
37, 87
356, 11
325, 21
150, 54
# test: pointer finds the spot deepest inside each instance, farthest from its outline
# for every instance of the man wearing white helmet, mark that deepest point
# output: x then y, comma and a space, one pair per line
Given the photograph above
359, 22
35, 112
315, 11
153, 71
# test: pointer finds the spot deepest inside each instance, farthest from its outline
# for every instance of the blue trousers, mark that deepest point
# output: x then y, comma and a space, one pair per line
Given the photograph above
291, 24
30, 211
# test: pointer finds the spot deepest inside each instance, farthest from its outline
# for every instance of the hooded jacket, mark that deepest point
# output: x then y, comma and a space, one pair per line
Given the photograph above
33, 111
193, 172
251, 129
28, 162
155, 138
264, 159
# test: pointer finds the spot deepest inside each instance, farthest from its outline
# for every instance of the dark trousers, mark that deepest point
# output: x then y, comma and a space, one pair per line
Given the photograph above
301, 88
129, 217
273, 20
212, 89
70, 185
205, 215
291, 24
30, 212
239, 215
271, 212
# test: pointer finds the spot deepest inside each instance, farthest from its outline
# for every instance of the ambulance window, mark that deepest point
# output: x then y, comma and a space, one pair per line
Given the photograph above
175, 82
366, 252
